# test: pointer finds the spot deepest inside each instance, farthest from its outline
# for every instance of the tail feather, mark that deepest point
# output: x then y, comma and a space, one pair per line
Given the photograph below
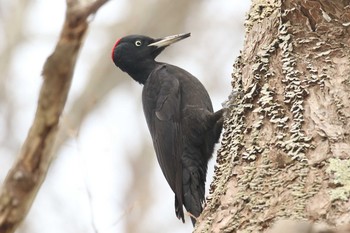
194, 168
179, 211
193, 192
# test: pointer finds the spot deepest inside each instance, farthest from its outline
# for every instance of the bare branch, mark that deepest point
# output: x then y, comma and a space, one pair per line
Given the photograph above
27, 174
84, 11
93, 7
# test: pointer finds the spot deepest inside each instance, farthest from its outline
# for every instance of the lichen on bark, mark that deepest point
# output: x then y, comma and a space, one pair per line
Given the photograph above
287, 119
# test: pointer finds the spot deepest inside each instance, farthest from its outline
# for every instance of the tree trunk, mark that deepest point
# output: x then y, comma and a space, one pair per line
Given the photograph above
286, 146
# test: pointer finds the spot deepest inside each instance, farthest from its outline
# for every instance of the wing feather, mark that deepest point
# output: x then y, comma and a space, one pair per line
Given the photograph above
164, 121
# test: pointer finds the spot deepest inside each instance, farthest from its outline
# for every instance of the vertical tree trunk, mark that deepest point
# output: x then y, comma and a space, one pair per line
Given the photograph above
285, 152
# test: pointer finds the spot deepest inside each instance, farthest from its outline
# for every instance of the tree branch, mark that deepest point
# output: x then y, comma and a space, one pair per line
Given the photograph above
93, 7
27, 174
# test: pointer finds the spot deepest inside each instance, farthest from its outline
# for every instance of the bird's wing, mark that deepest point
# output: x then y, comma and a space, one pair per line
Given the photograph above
167, 132
165, 126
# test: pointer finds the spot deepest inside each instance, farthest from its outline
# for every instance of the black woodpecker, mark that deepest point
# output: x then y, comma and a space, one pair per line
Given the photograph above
179, 115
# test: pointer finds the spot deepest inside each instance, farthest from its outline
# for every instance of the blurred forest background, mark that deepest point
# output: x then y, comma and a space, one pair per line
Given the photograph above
105, 177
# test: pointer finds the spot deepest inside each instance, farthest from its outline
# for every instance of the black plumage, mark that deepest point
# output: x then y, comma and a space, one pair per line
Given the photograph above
179, 115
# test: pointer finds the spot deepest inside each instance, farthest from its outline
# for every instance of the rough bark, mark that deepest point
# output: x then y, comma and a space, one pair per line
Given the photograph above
285, 152
28, 172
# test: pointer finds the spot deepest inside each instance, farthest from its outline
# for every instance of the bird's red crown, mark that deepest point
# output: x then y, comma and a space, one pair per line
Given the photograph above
115, 45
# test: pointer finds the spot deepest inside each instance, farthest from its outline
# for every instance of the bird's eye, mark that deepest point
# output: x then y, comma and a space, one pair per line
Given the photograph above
138, 43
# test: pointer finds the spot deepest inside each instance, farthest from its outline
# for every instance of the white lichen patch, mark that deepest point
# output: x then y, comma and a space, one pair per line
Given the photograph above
339, 170
294, 95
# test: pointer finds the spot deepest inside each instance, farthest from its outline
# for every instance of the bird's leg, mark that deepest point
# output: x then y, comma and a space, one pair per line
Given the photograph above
218, 115
218, 121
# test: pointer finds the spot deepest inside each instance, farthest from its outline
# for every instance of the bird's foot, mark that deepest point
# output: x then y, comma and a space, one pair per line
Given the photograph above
191, 215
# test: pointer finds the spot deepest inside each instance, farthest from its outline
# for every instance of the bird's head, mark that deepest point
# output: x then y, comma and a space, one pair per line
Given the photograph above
137, 52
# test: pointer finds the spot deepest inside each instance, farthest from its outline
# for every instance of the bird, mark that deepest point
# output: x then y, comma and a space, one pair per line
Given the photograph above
179, 114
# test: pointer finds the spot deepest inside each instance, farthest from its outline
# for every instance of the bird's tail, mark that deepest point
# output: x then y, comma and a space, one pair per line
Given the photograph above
193, 191
179, 210
194, 169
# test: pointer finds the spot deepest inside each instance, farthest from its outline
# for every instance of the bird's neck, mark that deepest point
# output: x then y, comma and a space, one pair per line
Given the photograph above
141, 72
